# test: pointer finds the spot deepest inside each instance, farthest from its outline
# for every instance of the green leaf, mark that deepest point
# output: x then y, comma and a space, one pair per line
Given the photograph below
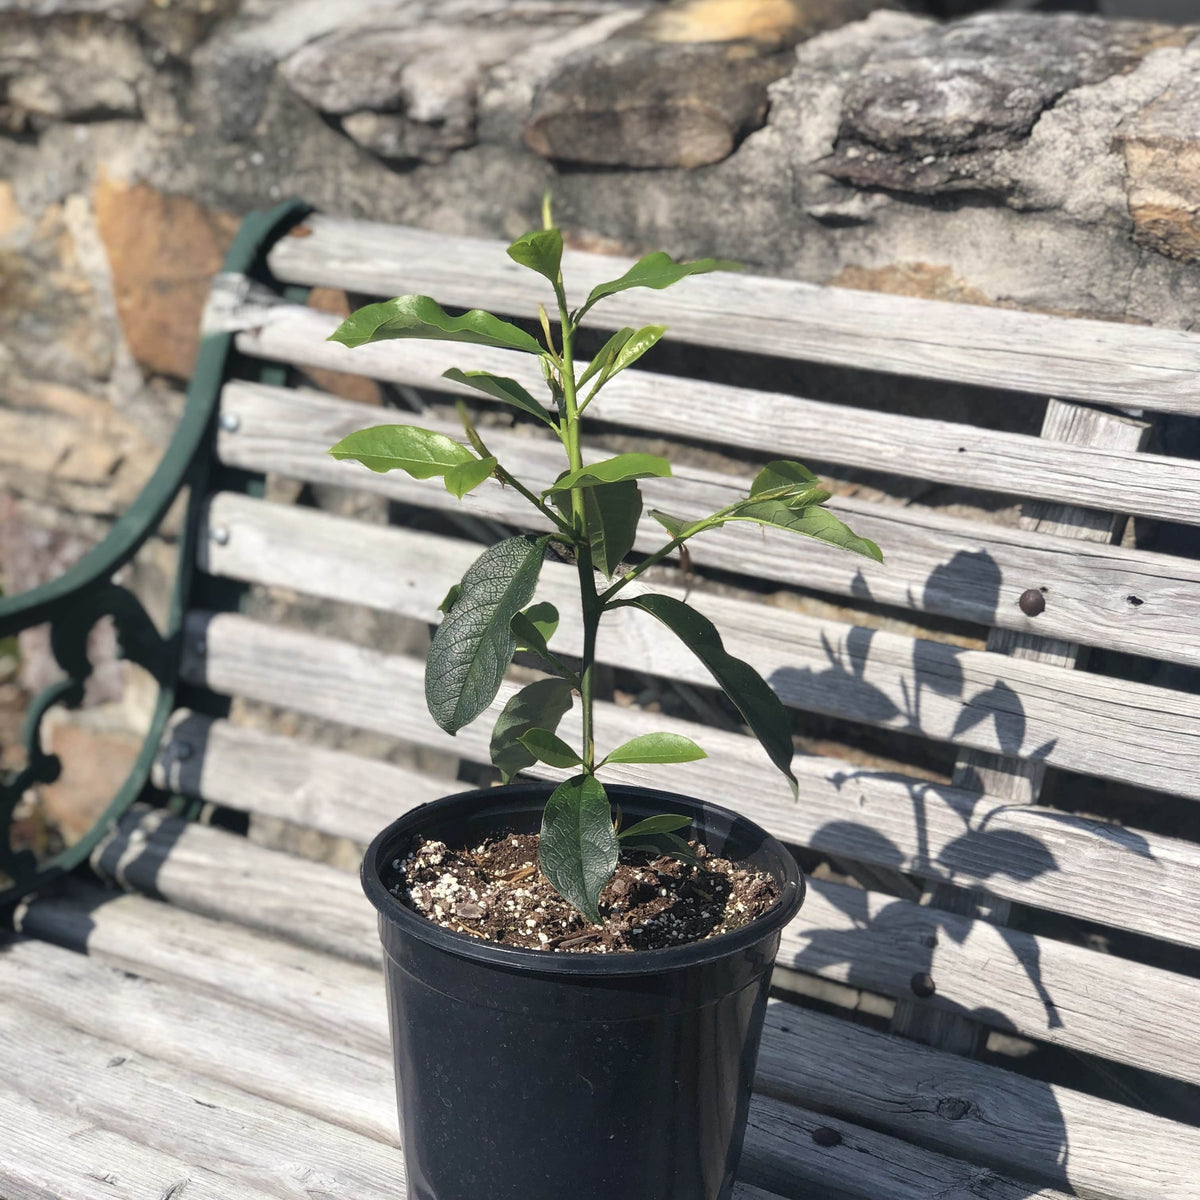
606, 355
760, 707
613, 470
812, 521
577, 850
451, 596
645, 339
612, 511
539, 705
530, 637
549, 748
466, 477
782, 474
662, 823
423, 317
657, 748
474, 643
540, 251
669, 844
658, 270
543, 617
673, 525
420, 452
500, 387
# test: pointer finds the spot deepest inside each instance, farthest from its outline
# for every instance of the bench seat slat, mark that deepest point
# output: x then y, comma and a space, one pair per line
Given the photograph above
54, 1155
805, 1055
201, 1100
843, 934
967, 570
781, 425
1074, 359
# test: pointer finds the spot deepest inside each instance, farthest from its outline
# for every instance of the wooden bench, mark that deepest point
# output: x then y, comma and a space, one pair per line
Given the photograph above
1007, 1008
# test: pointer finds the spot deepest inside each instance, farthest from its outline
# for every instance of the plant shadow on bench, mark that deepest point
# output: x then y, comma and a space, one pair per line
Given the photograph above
982, 852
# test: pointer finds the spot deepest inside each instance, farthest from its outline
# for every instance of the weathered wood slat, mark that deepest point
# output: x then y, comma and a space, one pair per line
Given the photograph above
955, 1107
1065, 865
277, 777
1093, 724
1082, 360
1020, 780
779, 424
194, 1112
54, 1155
1066, 995
171, 1023
1099, 595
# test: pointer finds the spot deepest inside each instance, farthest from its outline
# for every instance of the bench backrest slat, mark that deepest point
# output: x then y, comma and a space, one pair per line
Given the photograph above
1095, 361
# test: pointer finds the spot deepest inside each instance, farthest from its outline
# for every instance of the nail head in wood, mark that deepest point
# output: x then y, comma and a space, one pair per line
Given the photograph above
1032, 603
230, 422
922, 985
826, 1137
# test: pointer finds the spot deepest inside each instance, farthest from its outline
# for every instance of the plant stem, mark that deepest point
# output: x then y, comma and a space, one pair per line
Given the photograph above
590, 601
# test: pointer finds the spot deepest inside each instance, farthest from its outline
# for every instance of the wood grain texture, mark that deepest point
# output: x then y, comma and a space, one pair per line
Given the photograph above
1019, 780
1066, 995
776, 423
846, 1072
1093, 724
1084, 868
1096, 361
193, 1112
255, 1052
1100, 595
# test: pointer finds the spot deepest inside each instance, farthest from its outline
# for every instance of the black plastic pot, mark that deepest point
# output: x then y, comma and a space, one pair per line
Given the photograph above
534, 1075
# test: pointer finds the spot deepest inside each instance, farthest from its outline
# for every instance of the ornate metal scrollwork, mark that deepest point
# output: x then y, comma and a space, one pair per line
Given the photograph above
138, 641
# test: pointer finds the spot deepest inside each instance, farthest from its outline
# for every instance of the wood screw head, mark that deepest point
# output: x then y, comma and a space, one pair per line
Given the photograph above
1032, 603
922, 985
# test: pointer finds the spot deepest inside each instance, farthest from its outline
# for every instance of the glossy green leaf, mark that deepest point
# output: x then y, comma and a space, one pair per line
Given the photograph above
657, 748
673, 525
577, 849
813, 521
475, 643
669, 844
782, 475
645, 339
539, 705
752, 696
543, 616
466, 477
658, 270
540, 251
662, 823
423, 317
420, 452
549, 748
606, 355
451, 596
500, 387
613, 470
612, 511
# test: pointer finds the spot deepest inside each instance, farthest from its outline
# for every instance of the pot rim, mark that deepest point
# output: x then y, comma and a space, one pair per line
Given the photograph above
520, 958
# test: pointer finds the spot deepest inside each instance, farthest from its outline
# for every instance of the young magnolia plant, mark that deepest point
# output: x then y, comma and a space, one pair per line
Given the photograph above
593, 511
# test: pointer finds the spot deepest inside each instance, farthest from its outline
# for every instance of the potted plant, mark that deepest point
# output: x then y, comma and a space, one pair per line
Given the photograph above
576, 974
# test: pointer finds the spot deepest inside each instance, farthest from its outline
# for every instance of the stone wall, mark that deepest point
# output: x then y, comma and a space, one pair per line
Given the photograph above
1041, 161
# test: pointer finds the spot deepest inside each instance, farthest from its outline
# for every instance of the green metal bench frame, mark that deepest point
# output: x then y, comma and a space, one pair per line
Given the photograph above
73, 603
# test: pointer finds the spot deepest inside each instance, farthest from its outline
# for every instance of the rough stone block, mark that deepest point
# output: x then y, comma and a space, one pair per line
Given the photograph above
163, 251
1161, 145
